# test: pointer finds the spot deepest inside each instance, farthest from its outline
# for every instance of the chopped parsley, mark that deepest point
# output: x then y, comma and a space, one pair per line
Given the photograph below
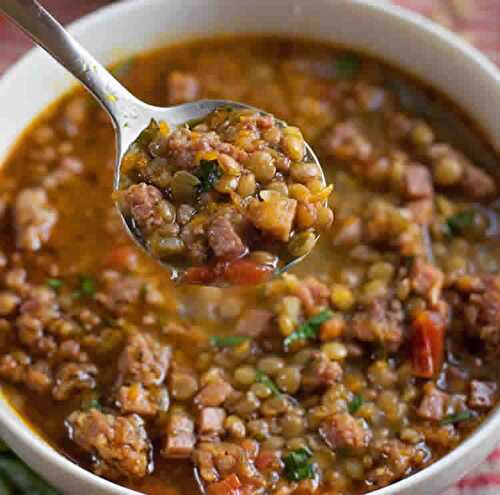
298, 466
86, 287
209, 174
265, 380
457, 418
355, 404
459, 223
227, 341
54, 283
347, 65
310, 328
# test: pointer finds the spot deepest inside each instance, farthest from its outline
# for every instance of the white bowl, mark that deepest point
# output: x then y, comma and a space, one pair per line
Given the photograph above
404, 39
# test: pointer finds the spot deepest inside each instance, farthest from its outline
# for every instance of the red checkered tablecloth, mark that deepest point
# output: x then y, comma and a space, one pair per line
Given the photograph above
477, 20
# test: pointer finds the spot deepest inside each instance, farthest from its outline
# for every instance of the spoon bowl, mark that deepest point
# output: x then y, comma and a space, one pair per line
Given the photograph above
130, 116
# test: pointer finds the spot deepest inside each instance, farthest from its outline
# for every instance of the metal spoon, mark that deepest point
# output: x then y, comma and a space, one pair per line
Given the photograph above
130, 116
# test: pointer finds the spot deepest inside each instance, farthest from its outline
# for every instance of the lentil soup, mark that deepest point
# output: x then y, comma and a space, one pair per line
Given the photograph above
366, 363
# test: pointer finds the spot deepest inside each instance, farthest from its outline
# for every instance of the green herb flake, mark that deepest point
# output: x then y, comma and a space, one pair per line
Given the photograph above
298, 466
459, 223
347, 65
355, 404
209, 174
54, 283
86, 288
457, 418
227, 341
310, 328
265, 380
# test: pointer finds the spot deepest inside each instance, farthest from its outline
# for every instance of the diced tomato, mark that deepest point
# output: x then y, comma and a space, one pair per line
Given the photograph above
266, 459
228, 486
246, 272
122, 258
199, 275
427, 344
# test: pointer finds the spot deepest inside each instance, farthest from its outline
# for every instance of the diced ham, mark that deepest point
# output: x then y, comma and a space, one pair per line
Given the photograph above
180, 440
213, 394
347, 142
344, 431
482, 394
254, 323
224, 241
417, 182
211, 421
434, 404
274, 217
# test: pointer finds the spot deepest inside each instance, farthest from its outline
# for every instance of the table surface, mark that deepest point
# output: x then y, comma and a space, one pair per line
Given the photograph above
477, 20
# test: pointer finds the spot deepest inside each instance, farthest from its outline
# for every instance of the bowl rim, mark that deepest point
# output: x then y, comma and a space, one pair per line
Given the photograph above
23, 433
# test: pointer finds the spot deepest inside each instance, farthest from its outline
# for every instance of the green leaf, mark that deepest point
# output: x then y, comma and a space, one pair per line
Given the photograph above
54, 283
227, 341
298, 466
355, 404
86, 287
310, 328
459, 223
458, 418
347, 65
22, 478
265, 380
209, 174
122, 69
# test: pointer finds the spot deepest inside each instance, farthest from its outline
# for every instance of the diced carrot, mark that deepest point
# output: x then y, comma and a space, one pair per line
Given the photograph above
228, 486
266, 459
122, 258
198, 275
427, 344
245, 272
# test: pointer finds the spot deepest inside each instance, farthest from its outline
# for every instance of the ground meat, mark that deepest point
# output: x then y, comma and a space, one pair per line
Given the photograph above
193, 236
395, 459
417, 182
434, 404
38, 377
344, 431
144, 203
119, 445
320, 373
224, 241
180, 438
478, 303
382, 321
347, 142
34, 219
140, 400
213, 394
181, 88
482, 394
254, 323
144, 360
426, 280
211, 422
72, 378
216, 460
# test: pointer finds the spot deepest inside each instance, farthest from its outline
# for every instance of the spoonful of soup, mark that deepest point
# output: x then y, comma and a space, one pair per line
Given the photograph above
219, 192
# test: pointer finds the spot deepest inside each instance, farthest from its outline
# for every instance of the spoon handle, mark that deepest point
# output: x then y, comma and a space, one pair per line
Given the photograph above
47, 32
